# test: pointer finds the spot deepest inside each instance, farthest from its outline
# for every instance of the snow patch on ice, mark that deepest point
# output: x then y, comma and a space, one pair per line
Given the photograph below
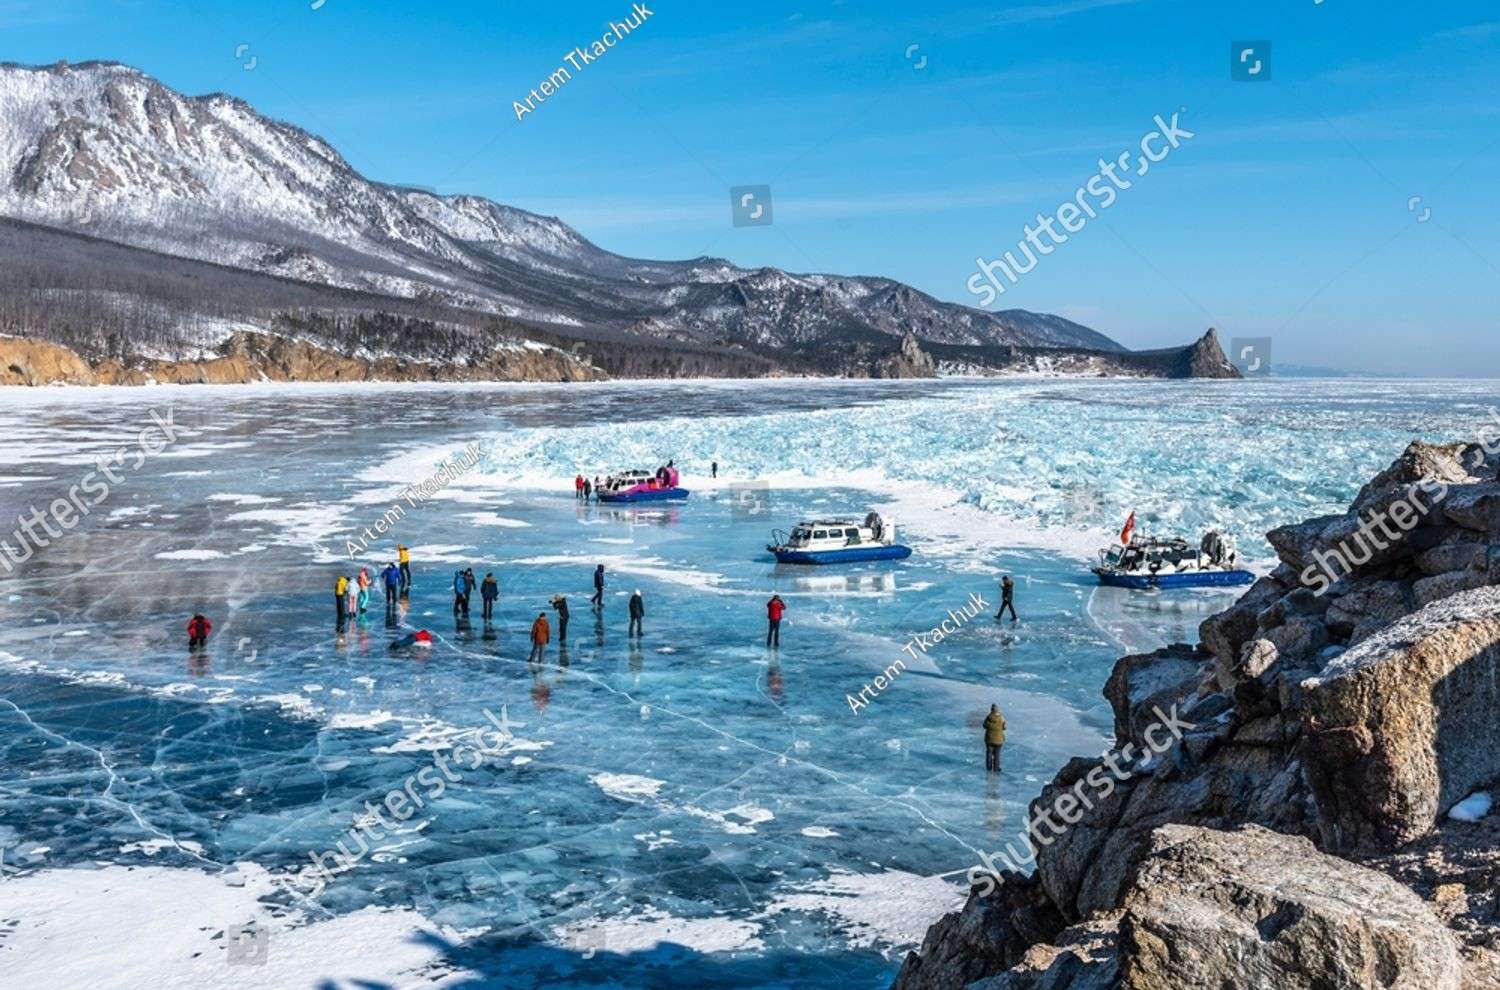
891, 910
195, 554
652, 927
627, 786
169, 929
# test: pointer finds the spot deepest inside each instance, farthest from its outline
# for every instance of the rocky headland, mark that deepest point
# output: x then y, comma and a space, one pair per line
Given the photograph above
1325, 822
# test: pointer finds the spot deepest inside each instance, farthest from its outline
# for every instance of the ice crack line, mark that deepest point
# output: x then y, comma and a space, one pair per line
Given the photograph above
807, 764
107, 796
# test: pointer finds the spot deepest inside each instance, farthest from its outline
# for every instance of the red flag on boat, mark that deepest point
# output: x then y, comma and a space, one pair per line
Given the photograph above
1129, 528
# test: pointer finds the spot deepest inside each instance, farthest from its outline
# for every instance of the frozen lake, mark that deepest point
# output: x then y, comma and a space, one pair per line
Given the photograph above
687, 810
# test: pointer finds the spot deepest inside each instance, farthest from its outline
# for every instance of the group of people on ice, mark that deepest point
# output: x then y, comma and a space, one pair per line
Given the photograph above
351, 595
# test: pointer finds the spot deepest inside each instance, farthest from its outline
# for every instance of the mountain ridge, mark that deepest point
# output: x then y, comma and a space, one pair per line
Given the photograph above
106, 150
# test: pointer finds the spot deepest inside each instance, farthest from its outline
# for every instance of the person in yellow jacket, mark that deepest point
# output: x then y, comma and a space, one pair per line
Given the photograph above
340, 600
403, 557
994, 738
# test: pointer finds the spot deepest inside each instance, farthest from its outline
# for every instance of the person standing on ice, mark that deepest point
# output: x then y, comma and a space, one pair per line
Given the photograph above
637, 613
994, 739
775, 609
540, 633
391, 578
561, 605
588, 489
404, 556
489, 590
340, 596
351, 595
598, 599
459, 593
1007, 598
713, 470
578, 486
198, 628
362, 599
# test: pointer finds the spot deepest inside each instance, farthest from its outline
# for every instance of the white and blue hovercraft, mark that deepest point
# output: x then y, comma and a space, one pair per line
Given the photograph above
838, 541
1150, 562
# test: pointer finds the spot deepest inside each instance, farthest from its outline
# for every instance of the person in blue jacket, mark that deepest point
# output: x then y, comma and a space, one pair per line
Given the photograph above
460, 593
391, 579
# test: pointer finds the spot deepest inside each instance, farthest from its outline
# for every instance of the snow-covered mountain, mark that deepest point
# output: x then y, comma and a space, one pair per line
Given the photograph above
105, 150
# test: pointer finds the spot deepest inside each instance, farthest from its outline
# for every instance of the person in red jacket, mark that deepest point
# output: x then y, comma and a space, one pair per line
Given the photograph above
775, 609
198, 628
578, 486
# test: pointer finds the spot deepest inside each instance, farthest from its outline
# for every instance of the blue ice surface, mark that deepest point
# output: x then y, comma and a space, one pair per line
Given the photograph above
265, 747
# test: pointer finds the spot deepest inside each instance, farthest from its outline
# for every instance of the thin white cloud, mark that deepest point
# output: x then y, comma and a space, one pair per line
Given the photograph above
30, 13
1048, 11
1471, 32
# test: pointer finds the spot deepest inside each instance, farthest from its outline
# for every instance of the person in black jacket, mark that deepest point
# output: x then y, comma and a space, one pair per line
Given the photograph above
637, 612
489, 590
598, 599
561, 605
1007, 598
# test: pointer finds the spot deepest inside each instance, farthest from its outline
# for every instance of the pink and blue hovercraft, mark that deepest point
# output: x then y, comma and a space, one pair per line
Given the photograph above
663, 485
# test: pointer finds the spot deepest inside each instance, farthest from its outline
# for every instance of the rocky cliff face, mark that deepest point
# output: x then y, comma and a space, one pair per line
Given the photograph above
911, 361
254, 357
1297, 836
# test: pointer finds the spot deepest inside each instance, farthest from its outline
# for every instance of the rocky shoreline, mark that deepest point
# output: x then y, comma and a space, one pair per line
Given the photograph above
1299, 834
247, 357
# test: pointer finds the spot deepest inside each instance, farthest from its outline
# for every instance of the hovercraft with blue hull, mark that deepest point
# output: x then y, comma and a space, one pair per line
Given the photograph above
662, 485
838, 541
1149, 562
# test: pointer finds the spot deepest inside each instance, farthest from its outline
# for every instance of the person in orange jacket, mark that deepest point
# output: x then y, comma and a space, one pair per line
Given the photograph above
198, 628
540, 633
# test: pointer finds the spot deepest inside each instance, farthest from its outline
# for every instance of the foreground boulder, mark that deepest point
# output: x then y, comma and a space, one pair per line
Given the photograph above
1249, 909
1406, 724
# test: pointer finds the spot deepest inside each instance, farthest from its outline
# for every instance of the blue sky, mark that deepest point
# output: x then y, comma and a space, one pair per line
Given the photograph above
1287, 214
